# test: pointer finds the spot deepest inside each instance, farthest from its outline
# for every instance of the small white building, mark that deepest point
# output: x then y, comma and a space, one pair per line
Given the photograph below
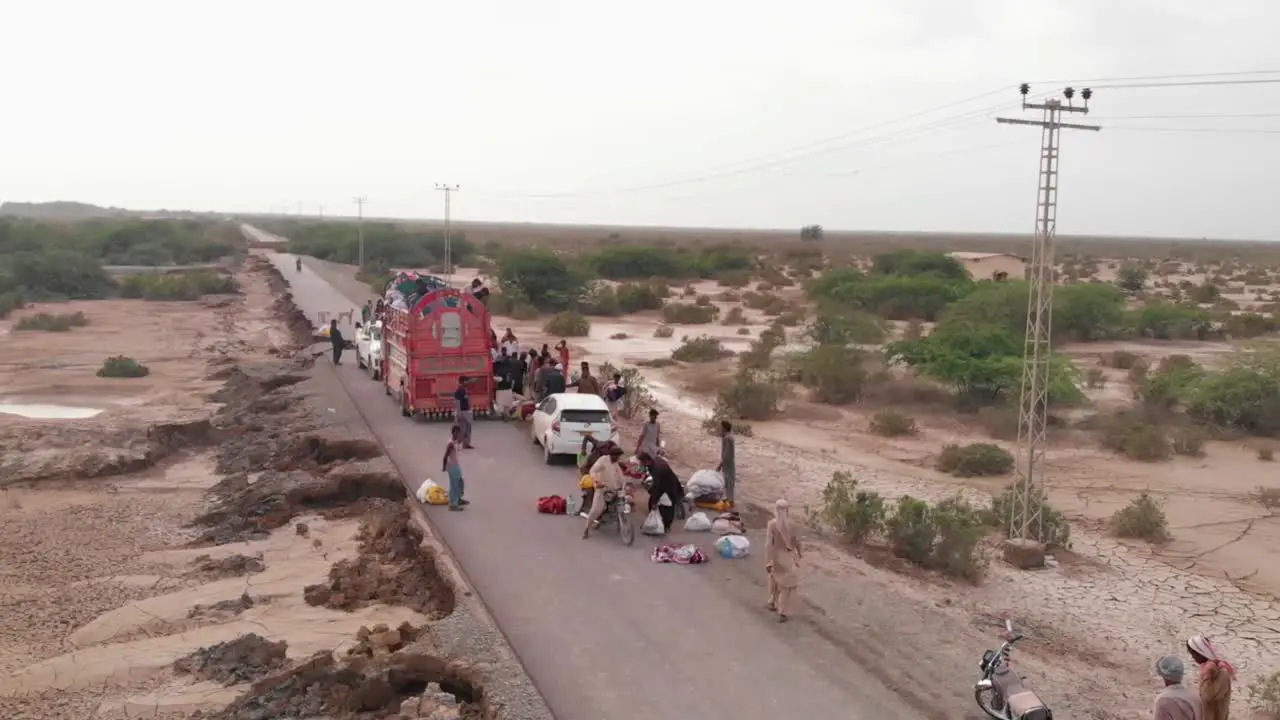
992, 266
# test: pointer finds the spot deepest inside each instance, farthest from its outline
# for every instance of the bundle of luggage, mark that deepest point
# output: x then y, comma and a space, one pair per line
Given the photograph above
408, 287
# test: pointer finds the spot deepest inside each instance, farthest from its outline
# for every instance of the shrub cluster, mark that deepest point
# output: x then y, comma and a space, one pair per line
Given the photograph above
568, 324
177, 286
49, 322
975, 460
120, 366
702, 348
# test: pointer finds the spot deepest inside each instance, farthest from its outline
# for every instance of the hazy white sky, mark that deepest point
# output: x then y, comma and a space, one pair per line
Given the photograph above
255, 106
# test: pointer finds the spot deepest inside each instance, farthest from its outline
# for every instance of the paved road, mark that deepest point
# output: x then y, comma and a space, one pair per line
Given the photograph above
604, 633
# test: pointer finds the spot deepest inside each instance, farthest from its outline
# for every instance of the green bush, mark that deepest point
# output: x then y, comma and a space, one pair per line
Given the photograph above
688, 314
1171, 321
700, 349
120, 366
9, 302
751, 396
1141, 519
765, 302
735, 316
513, 304
857, 515
957, 548
1133, 435
600, 299
638, 297
568, 324
386, 245
734, 278
1052, 531
911, 530
835, 374
759, 354
52, 323
891, 423
634, 262
664, 331
177, 286
975, 460
542, 277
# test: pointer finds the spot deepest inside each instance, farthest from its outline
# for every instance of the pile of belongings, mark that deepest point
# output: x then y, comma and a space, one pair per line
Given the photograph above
432, 494
552, 505
408, 287
686, 554
728, 523
705, 486
733, 546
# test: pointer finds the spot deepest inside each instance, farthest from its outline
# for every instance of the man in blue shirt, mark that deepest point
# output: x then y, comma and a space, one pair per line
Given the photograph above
463, 398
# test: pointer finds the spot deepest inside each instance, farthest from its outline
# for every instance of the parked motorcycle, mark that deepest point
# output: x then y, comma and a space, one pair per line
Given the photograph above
617, 511
1000, 692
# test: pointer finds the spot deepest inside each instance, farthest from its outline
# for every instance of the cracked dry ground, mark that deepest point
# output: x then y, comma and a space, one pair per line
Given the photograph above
207, 547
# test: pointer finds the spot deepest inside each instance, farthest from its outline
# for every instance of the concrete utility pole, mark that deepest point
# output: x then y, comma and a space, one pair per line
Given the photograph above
360, 201
1025, 548
320, 208
448, 191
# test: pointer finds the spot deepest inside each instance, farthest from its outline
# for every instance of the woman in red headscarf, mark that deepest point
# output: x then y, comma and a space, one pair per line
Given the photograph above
1216, 675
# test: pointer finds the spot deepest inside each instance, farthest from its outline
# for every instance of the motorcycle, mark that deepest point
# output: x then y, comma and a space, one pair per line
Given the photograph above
1000, 692
617, 510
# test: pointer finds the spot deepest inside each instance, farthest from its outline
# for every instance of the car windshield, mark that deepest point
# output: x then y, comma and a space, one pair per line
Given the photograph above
584, 416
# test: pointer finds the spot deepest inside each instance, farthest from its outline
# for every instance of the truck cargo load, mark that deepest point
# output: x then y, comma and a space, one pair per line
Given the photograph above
434, 335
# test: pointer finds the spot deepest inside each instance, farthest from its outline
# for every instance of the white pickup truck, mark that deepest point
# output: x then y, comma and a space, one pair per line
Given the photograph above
369, 348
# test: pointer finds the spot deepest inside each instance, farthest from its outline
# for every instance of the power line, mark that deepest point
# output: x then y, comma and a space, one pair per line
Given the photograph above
1134, 78
1223, 131
1190, 83
1188, 116
740, 169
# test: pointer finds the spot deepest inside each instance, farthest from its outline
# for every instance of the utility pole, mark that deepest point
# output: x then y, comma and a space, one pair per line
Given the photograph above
360, 201
321, 209
1025, 548
299, 208
448, 191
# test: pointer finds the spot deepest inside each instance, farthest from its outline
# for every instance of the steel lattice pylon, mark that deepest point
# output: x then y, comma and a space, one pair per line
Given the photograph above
1026, 517
1026, 522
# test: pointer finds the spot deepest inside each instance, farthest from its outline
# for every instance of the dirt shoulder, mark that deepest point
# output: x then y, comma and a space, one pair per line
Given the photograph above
224, 539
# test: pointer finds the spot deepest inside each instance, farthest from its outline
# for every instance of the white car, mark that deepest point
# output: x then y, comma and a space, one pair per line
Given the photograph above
561, 421
369, 348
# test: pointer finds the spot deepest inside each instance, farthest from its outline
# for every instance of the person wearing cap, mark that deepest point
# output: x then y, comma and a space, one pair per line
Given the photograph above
1175, 702
606, 475
1215, 677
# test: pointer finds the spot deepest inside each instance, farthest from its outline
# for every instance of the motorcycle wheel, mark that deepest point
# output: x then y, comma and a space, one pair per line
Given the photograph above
990, 702
625, 529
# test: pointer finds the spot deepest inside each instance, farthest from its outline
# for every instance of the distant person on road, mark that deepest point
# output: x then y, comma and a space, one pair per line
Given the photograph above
782, 554
586, 382
606, 477
1215, 678
650, 436
336, 341
1175, 702
667, 493
563, 348
463, 397
613, 394
728, 466
297, 264
452, 466
366, 312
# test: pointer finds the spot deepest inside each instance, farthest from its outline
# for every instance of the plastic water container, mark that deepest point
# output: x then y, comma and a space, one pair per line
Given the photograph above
573, 504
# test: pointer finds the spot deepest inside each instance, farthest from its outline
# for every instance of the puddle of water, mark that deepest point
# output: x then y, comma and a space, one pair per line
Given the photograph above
671, 399
40, 411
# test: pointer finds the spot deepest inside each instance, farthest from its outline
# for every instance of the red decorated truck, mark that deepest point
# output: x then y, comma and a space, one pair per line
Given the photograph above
434, 335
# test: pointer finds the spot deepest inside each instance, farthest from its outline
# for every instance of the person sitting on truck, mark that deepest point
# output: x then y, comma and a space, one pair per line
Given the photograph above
337, 341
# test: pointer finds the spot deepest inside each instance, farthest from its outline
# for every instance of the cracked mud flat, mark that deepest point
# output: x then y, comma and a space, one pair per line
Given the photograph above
173, 577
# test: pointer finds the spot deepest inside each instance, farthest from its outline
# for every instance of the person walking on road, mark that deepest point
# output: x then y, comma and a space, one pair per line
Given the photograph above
650, 436
728, 463
667, 493
782, 554
337, 341
606, 477
1215, 679
452, 466
587, 383
463, 397
1175, 702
